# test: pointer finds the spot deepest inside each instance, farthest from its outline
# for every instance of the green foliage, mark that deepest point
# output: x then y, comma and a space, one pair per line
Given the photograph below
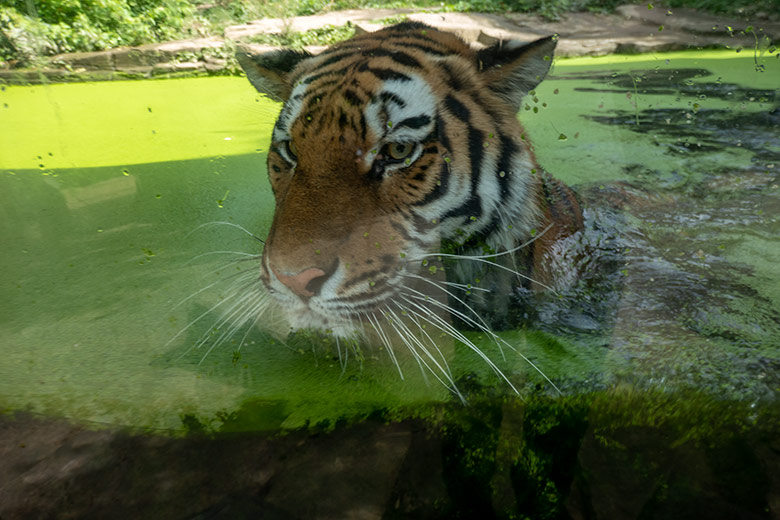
29, 29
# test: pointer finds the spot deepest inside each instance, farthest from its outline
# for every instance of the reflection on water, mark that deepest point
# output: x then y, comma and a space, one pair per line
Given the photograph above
667, 352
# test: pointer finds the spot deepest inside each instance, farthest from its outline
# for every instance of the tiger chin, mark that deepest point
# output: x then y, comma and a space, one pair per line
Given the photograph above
395, 155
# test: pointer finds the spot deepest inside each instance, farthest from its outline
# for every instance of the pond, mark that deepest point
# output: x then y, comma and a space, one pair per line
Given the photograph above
648, 389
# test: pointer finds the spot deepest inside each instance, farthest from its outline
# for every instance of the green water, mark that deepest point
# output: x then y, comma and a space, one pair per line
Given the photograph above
105, 187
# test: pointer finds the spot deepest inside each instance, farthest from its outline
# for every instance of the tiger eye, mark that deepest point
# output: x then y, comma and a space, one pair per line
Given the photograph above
399, 151
291, 149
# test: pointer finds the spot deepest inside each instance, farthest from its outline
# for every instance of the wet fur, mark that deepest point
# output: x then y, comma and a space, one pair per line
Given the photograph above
401, 245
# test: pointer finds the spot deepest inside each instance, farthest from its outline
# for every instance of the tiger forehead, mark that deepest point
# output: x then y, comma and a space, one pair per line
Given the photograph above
364, 85
411, 50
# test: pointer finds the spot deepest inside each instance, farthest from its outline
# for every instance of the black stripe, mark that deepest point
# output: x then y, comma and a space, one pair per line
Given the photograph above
457, 109
314, 77
486, 107
363, 129
320, 88
384, 74
473, 206
442, 134
508, 149
379, 274
397, 56
414, 122
425, 48
453, 81
389, 96
352, 97
439, 189
495, 222
401, 230
379, 289
338, 55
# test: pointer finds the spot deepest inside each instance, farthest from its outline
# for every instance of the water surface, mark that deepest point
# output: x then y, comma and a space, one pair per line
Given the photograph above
106, 187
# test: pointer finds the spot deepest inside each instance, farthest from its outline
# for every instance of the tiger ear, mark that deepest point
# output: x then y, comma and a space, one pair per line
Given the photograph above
268, 72
512, 68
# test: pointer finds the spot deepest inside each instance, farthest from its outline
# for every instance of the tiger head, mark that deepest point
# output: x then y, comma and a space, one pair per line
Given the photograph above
386, 145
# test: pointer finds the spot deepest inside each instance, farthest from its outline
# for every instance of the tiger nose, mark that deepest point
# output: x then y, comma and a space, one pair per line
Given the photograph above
305, 284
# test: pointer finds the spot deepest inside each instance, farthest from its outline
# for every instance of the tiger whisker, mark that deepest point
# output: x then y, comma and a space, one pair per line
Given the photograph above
237, 307
487, 331
251, 256
225, 266
494, 264
484, 325
385, 341
241, 321
211, 309
223, 223
442, 325
251, 305
492, 255
408, 337
209, 286
445, 369
411, 349
237, 291
342, 359
462, 286
260, 314
246, 275
424, 332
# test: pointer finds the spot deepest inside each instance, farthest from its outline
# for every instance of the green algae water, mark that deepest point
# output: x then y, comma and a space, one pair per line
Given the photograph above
120, 209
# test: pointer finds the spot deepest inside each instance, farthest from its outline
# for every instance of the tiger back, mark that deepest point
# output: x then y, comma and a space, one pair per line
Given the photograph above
389, 146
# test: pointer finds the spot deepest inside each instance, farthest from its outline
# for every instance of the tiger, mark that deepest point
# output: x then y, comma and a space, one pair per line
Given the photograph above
395, 153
